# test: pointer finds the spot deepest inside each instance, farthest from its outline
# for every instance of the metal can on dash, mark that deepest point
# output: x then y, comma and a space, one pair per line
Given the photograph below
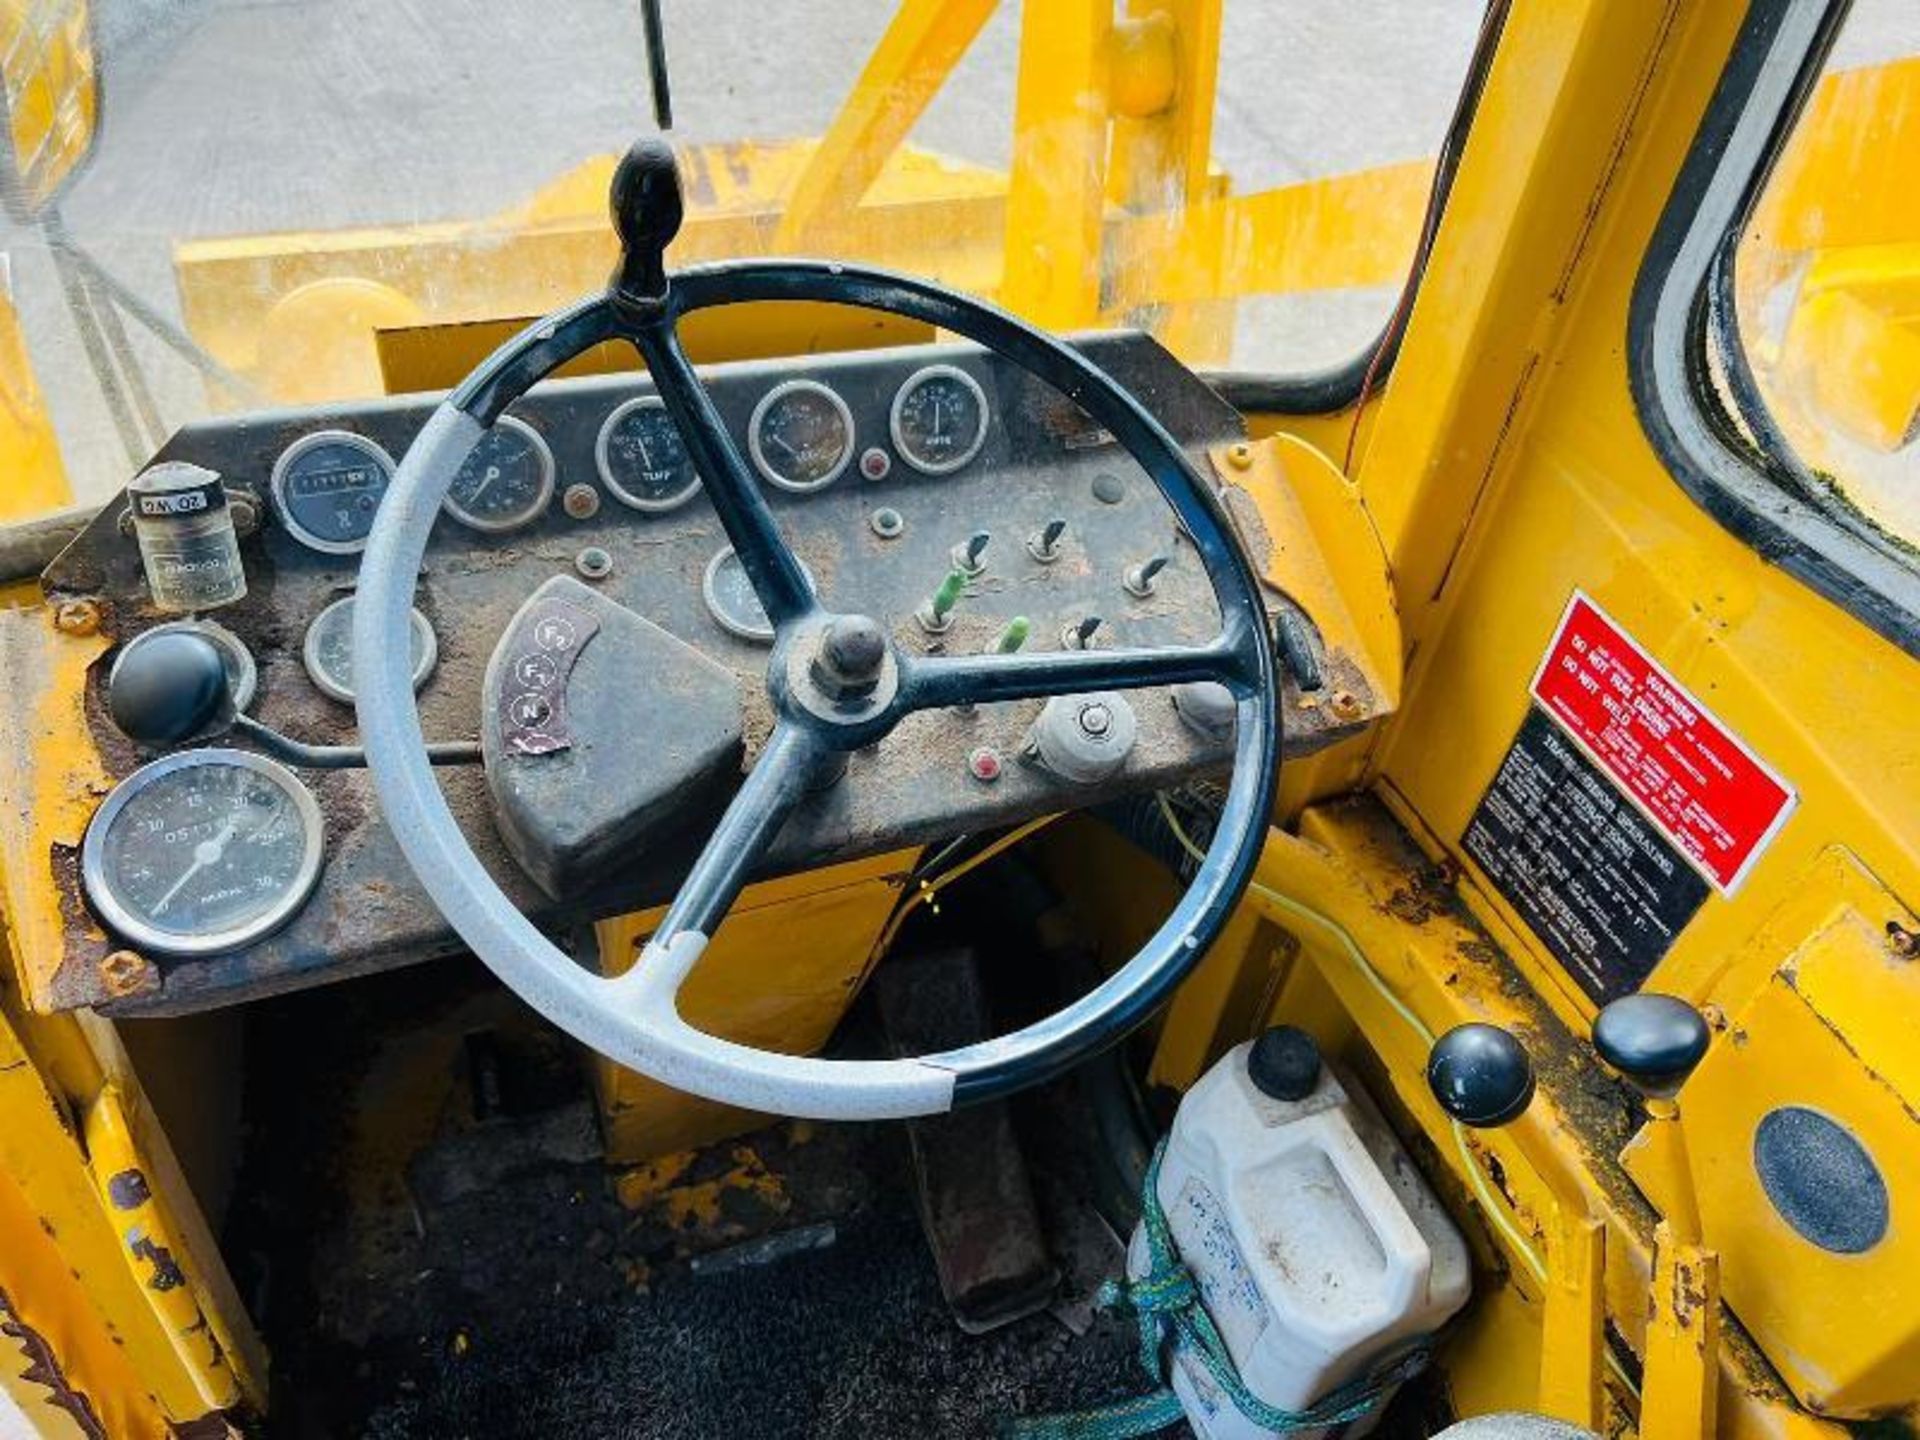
186, 536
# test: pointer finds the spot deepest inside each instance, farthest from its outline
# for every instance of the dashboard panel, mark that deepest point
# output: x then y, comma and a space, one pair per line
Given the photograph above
889, 472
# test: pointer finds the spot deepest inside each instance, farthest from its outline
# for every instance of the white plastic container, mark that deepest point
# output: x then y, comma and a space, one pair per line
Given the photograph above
1318, 1248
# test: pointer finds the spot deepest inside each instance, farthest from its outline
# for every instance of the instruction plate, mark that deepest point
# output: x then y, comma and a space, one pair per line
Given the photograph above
1620, 802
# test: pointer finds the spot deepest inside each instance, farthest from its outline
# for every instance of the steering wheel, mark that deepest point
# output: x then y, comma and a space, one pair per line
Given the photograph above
837, 682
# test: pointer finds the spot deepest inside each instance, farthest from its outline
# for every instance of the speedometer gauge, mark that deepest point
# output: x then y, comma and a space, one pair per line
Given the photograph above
326, 487
506, 480
801, 435
939, 419
203, 852
641, 458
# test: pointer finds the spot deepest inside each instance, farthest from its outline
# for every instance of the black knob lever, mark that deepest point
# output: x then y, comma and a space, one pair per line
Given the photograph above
1480, 1075
171, 689
647, 210
1652, 1040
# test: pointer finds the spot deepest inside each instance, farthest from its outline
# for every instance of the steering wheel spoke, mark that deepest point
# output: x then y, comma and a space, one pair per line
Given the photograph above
933, 681
791, 764
769, 562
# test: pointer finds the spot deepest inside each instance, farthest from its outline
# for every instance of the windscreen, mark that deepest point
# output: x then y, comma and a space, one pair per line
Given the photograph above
290, 203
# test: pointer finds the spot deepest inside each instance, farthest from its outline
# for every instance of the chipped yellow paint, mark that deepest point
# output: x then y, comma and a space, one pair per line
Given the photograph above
49, 756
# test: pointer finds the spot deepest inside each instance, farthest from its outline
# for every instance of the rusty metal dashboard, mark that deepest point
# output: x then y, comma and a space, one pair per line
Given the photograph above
961, 501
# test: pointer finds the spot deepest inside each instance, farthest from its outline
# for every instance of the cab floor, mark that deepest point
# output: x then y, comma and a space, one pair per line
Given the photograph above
434, 1249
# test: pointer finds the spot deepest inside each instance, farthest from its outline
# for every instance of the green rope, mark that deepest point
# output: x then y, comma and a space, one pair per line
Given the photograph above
1166, 1303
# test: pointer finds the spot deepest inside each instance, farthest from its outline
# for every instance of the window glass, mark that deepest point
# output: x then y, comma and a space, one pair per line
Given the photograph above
1826, 284
278, 195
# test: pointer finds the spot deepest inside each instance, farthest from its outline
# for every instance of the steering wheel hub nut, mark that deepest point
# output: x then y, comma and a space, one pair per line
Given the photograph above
1082, 738
844, 669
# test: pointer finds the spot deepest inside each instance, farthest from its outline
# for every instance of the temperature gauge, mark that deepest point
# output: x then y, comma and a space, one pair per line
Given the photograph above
203, 852
641, 458
506, 481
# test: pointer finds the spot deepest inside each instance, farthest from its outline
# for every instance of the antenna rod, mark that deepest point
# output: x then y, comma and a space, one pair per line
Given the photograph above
657, 63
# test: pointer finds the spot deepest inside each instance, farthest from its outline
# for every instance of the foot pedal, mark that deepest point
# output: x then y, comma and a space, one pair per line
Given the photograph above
976, 1198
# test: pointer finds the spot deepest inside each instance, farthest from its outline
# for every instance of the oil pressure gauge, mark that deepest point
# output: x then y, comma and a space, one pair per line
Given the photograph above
203, 852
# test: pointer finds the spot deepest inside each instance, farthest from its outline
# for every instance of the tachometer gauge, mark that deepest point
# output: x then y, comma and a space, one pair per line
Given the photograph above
326, 487
641, 458
730, 598
506, 480
328, 650
939, 419
203, 852
801, 435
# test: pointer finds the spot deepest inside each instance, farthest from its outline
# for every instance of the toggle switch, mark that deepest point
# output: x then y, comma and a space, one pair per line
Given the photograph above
936, 611
1044, 543
969, 556
1079, 635
1139, 579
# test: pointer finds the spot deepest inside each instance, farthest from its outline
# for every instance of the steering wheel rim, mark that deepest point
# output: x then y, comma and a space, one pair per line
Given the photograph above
632, 1018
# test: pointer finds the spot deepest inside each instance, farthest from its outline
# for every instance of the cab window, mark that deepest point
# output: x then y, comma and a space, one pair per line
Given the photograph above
233, 206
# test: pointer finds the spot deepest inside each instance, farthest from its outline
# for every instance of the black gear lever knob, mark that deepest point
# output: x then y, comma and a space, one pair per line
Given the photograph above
1652, 1040
1480, 1075
169, 688
647, 209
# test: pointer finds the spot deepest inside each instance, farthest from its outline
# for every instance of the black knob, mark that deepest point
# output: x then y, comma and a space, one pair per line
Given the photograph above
1653, 1040
852, 653
647, 210
169, 688
1480, 1075
1284, 1063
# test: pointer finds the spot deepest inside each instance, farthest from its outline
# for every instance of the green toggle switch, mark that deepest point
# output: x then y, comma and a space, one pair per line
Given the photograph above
935, 616
1013, 637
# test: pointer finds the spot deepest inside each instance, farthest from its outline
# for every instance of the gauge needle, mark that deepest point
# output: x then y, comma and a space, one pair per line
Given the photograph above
207, 852
493, 474
774, 439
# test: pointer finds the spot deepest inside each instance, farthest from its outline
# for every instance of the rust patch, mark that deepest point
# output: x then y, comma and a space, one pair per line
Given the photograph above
167, 1274
43, 1368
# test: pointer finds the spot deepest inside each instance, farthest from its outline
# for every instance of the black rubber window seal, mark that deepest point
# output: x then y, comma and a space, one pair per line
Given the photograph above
1717, 440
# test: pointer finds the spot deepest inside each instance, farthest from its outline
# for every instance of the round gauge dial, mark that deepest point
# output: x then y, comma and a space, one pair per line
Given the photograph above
730, 598
506, 480
328, 650
243, 676
801, 435
203, 852
939, 419
641, 458
326, 487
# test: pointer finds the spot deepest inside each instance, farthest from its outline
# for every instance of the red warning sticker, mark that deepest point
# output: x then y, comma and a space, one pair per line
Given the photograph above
1713, 797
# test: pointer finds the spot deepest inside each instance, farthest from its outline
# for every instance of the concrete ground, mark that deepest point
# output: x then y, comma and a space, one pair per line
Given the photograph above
227, 117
